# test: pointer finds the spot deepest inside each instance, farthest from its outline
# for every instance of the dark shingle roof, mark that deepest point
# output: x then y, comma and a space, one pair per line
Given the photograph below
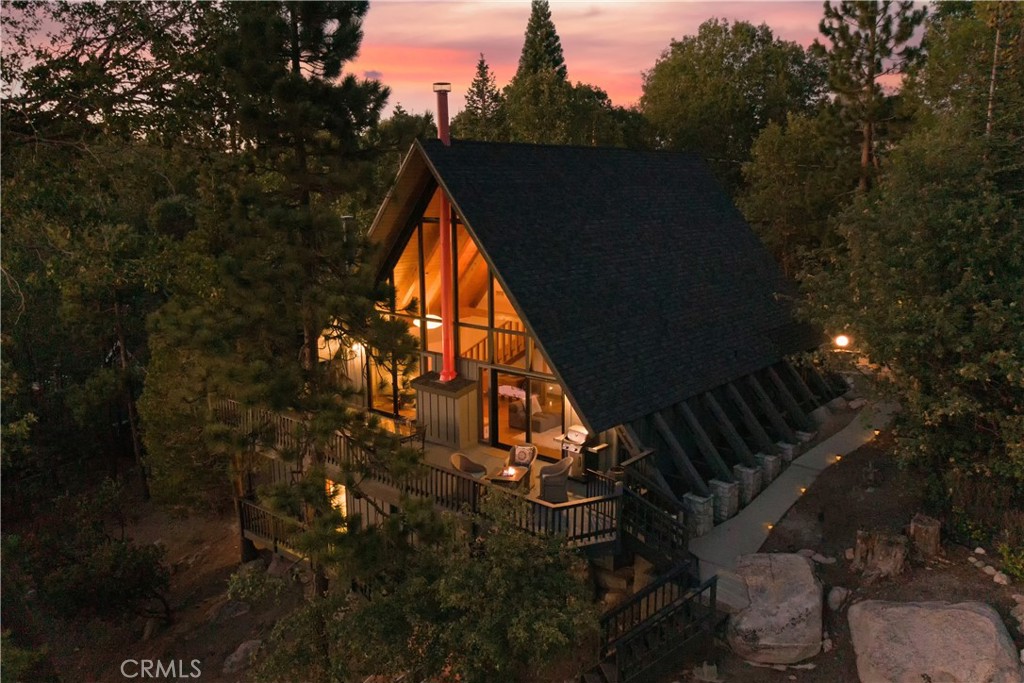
642, 283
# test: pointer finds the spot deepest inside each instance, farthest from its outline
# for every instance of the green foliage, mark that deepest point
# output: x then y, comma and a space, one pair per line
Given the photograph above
491, 603
929, 283
21, 663
482, 117
77, 557
713, 92
254, 586
799, 176
542, 48
867, 40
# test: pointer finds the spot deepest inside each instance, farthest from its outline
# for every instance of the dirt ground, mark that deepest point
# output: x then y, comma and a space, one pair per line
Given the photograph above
866, 490
203, 553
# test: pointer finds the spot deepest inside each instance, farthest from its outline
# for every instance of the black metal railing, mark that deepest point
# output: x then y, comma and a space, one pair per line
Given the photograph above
587, 521
647, 633
653, 527
263, 525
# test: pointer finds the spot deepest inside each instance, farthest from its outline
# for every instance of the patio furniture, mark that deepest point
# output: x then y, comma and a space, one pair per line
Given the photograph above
461, 463
511, 477
554, 482
522, 456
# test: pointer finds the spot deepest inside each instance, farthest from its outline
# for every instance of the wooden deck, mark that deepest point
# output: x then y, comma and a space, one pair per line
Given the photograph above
592, 516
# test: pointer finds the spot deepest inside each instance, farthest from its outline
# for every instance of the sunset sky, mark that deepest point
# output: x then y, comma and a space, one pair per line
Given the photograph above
409, 45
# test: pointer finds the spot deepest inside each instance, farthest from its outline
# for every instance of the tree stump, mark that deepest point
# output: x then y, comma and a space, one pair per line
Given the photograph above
880, 555
924, 534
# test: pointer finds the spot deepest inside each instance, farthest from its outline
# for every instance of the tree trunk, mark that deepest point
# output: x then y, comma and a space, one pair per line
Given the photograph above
992, 79
880, 555
133, 417
924, 534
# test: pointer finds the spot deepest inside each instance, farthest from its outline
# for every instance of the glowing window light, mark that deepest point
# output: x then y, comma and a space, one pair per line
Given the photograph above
433, 322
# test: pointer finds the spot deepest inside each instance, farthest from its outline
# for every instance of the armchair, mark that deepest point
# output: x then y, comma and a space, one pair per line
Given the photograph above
521, 456
461, 463
554, 481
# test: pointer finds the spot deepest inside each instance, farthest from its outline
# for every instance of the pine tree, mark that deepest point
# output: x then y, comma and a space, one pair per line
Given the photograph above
868, 40
482, 117
542, 48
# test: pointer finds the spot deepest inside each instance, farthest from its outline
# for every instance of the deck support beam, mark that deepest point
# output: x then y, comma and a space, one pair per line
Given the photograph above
707, 448
792, 405
764, 442
784, 431
736, 442
821, 385
679, 456
801, 386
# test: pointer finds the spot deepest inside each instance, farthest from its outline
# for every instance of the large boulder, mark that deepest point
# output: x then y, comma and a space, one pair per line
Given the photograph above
782, 623
900, 642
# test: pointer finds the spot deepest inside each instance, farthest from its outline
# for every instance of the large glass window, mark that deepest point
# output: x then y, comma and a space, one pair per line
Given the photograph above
431, 304
406, 276
473, 274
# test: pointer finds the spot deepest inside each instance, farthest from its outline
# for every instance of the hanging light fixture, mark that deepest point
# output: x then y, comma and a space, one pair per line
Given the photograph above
433, 322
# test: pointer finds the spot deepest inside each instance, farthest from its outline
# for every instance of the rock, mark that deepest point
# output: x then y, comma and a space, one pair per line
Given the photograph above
229, 610
1018, 598
613, 599
857, 403
921, 641
989, 569
241, 658
1001, 578
280, 567
826, 645
782, 624
979, 550
975, 561
251, 567
821, 559
618, 580
1018, 613
806, 552
152, 624
836, 597
848, 553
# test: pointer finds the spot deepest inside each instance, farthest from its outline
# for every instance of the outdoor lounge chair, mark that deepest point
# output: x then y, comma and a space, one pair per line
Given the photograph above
554, 481
461, 463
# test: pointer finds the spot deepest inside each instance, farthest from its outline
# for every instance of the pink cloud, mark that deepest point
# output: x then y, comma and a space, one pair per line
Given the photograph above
606, 43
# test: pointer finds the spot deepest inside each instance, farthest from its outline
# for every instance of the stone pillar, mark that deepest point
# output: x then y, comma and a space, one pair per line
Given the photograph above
700, 514
787, 451
821, 414
749, 479
727, 498
770, 465
804, 437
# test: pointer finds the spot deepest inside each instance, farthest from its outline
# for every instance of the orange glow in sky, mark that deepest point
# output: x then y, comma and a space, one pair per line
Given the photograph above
409, 45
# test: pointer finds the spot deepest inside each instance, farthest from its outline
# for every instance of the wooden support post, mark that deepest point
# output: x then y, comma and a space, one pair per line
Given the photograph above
792, 405
736, 442
680, 458
801, 386
707, 449
764, 442
629, 437
652, 473
821, 385
783, 430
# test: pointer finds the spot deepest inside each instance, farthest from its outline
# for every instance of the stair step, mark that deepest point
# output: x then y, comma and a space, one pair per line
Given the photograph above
611, 673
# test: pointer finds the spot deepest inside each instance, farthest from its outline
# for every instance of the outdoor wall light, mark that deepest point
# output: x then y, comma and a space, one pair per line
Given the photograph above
841, 341
770, 526
803, 489
838, 458
433, 322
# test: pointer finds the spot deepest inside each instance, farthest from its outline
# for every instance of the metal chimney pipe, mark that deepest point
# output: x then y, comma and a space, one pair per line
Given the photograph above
443, 134
448, 371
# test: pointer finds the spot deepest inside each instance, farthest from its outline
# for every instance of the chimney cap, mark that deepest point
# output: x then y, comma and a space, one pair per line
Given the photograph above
442, 87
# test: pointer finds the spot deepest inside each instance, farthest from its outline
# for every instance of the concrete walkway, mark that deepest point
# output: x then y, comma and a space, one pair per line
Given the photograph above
747, 531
